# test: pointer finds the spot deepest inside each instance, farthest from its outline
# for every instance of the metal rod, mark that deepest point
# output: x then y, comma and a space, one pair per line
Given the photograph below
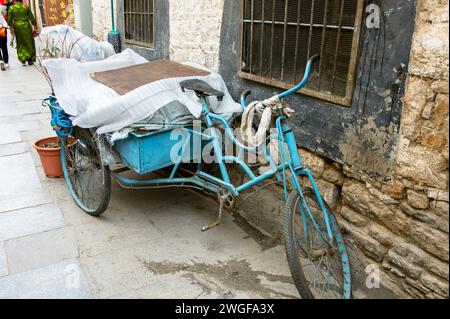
338, 42
283, 54
311, 29
134, 21
272, 37
307, 25
251, 36
139, 14
324, 34
262, 39
112, 16
297, 40
147, 21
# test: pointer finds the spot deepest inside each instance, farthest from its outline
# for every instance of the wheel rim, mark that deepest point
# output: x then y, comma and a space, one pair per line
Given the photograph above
325, 266
83, 172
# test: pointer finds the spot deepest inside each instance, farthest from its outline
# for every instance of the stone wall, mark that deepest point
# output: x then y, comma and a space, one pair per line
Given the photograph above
195, 31
404, 226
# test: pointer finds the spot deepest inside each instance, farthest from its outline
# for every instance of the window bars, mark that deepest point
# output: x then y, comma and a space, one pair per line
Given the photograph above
278, 37
139, 22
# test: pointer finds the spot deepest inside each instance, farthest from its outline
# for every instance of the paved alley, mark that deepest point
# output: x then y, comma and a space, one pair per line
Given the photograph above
147, 245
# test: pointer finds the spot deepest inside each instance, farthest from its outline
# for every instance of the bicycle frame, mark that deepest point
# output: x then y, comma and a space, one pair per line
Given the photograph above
205, 181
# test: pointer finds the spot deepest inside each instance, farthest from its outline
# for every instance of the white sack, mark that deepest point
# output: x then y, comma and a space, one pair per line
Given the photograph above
85, 49
95, 105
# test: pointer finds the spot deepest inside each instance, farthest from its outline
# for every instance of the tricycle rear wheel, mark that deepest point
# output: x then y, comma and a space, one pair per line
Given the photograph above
88, 180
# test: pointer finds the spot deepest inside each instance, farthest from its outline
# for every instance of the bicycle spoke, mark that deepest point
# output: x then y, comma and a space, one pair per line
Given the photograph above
315, 272
325, 284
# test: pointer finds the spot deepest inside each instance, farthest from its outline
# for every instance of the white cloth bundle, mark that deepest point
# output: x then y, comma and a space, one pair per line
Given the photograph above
266, 109
94, 105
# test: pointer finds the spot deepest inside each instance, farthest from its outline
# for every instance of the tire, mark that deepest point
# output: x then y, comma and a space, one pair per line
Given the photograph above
303, 256
88, 180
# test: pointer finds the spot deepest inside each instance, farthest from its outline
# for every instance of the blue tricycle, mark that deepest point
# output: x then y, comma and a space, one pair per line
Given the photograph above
315, 248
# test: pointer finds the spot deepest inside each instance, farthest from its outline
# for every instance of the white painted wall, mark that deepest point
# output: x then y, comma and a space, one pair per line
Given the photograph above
83, 16
101, 18
195, 31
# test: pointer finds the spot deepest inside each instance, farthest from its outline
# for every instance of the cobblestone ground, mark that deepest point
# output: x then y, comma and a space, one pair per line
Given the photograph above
147, 245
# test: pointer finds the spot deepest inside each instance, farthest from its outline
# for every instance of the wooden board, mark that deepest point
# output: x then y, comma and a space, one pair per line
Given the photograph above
127, 79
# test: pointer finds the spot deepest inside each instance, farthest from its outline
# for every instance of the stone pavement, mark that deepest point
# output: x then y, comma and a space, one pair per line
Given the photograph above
147, 245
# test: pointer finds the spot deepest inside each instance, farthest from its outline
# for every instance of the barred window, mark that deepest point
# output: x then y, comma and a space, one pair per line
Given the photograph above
278, 37
139, 22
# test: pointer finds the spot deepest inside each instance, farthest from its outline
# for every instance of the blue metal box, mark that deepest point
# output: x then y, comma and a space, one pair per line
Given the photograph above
149, 152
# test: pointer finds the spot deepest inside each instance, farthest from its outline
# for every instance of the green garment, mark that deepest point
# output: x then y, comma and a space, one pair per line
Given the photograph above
20, 19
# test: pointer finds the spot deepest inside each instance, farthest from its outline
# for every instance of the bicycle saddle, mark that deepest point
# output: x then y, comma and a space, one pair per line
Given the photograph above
201, 88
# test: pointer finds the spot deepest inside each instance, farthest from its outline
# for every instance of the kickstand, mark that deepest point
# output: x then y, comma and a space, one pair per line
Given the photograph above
222, 198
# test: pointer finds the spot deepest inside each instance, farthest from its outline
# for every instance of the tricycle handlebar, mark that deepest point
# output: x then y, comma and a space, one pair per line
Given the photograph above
302, 84
305, 80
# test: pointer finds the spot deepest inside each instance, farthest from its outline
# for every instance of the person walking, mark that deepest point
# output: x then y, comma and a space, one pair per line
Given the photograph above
22, 25
4, 56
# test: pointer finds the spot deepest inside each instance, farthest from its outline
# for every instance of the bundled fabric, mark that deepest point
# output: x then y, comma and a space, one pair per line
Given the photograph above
94, 105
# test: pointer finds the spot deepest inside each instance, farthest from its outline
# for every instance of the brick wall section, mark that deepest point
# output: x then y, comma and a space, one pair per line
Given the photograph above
195, 31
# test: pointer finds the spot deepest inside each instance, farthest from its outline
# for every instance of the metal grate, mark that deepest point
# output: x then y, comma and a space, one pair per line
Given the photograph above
139, 22
278, 37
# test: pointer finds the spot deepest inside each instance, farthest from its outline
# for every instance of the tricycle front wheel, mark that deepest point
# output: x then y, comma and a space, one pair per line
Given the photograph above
320, 269
89, 181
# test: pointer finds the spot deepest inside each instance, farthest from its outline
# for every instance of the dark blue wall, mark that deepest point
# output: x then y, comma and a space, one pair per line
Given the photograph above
365, 135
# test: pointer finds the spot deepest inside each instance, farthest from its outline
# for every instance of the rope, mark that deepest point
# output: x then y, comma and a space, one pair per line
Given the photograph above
62, 124
266, 109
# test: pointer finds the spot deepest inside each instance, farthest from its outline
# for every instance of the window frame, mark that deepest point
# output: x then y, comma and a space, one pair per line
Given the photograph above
351, 82
135, 42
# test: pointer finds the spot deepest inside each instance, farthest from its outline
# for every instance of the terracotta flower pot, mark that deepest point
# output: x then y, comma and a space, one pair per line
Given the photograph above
50, 156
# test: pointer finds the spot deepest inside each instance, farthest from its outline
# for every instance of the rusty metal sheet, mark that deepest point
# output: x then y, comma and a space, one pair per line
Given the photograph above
127, 79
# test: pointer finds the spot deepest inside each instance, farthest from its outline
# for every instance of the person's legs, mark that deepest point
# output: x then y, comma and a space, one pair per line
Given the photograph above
26, 50
4, 57
33, 52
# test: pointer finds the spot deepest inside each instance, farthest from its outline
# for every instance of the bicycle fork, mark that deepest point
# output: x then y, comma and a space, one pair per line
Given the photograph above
286, 135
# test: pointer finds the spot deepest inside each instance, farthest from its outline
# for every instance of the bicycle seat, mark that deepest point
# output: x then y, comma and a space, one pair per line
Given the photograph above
201, 88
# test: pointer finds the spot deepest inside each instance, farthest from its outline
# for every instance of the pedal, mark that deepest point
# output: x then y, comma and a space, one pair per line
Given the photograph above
210, 226
223, 197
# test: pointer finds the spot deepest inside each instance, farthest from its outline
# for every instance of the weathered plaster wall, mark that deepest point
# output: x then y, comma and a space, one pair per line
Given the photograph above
195, 27
101, 19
